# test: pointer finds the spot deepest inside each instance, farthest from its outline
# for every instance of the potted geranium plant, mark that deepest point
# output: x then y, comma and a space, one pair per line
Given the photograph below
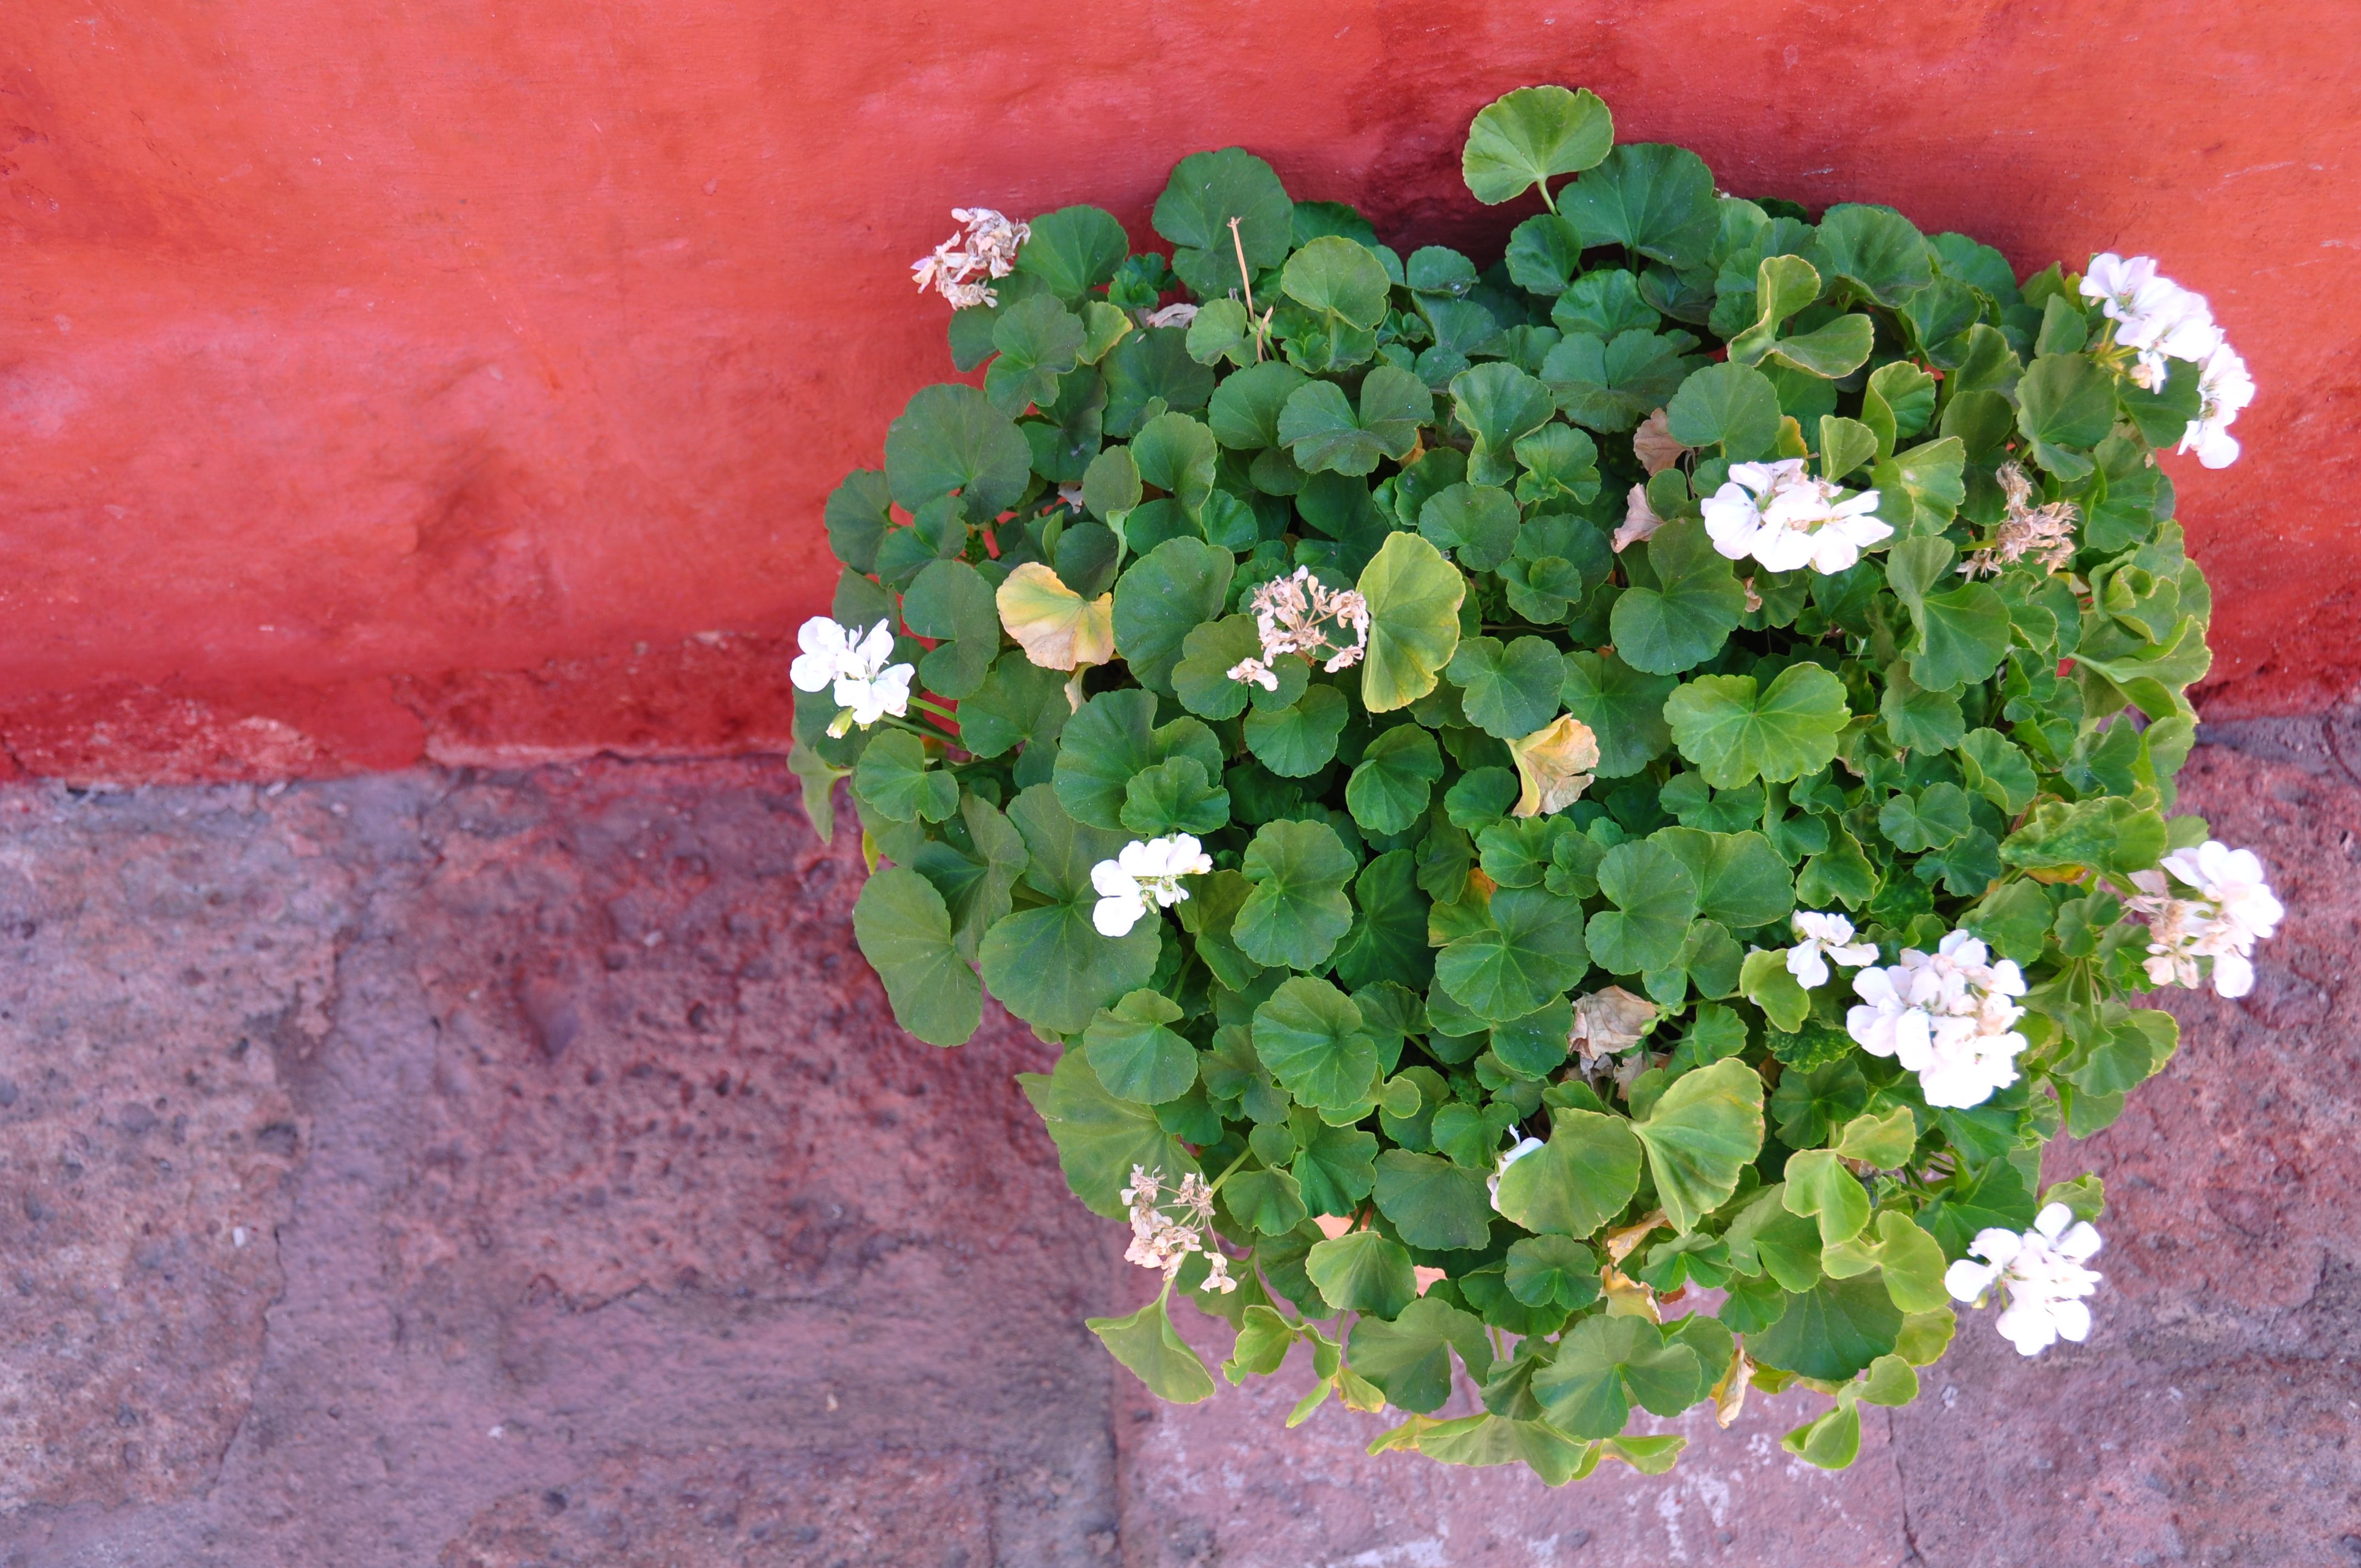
1586, 818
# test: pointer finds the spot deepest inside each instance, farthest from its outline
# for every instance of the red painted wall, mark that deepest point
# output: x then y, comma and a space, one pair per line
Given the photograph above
465, 377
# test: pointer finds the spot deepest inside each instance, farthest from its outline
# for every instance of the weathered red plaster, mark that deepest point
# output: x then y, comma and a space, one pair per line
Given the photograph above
351, 353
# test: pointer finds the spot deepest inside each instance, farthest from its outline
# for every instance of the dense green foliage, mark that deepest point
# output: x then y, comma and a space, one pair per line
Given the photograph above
1379, 985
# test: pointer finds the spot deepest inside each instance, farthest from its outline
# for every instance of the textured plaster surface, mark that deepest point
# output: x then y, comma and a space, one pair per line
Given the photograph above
593, 1212
381, 384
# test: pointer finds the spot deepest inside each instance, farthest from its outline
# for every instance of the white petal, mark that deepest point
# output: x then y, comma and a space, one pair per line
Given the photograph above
2081, 1242
1109, 880
812, 672
2053, 1219
1811, 971
1117, 917
1996, 1245
2233, 976
1966, 1281
2073, 1319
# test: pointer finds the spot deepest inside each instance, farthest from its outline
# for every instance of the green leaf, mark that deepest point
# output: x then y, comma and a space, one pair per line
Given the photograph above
1146, 1343
1498, 405
1018, 702
1897, 403
1994, 1197
1574, 1183
1111, 485
1178, 456
1741, 880
1996, 768
1654, 198
1916, 719
1311, 1036
857, 517
1522, 139
1831, 350
1700, 1133
1510, 689
893, 780
1624, 708
1606, 1364
1832, 1331
905, 931
1047, 964
1167, 594
1690, 613
1100, 1137
1553, 1270
1362, 1271
1433, 1204
1074, 250
2111, 835
1394, 781
1876, 249
974, 865
1410, 1358
1297, 908
1208, 653
1175, 796
1821, 1188
1529, 951
2066, 400
1611, 384
1147, 368
1729, 406
1883, 1141
1933, 818
1296, 742
1208, 189
952, 438
1735, 735
1334, 1166
951, 602
1413, 597
1389, 938
1269, 1200
1656, 899
1244, 415
1109, 743
1763, 980
1135, 1055
1339, 276
1476, 522
1830, 1442
1319, 427
1783, 285
1039, 341
1918, 491
1845, 446
1765, 1239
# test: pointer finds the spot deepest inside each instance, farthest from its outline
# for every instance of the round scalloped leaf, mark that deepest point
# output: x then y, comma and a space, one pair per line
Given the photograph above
1298, 740
1522, 139
1146, 1343
1136, 1054
951, 603
1074, 250
1552, 1271
1575, 1183
1736, 734
1362, 1271
1434, 1204
1298, 910
1338, 276
1510, 689
1311, 1036
1832, 1331
1206, 191
1606, 1364
1732, 407
1529, 949
1655, 898
1654, 198
952, 438
1394, 781
1414, 594
1699, 1135
1684, 621
1410, 1358
1113, 739
1163, 597
905, 931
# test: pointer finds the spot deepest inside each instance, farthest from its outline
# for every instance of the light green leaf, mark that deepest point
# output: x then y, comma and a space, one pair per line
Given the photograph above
1611, 384
1729, 406
1897, 403
1554, 1270
1686, 617
1413, 596
1529, 951
1997, 769
1394, 781
2110, 833
1476, 522
1741, 880
1783, 285
1572, 1185
1174, 796
1918, 491
1362, 1271
1339, 276
1821, 1188
1763, 980
1100, 1137
2065, 400
1146, 1343
1039, 341
1410, 1358
1605, 1365
1656, 899
1134, 1052
1522, 139
1047, 964
1882, 1140
1700, 1133
1735, 735
1311, 1036
1243, 414
1018, 702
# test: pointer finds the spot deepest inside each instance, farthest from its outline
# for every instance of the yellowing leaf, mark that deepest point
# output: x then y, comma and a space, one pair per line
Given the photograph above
1554, 764
1057, 629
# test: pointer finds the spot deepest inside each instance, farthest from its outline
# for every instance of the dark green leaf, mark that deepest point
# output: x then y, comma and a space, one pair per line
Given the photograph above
1624, 708
952, 438
1361, 1271
1433, 1204
1686, 617
1529, 951
1207, 190
1605, 1365
1100, 1137
1297, 909
905, 931
1654, 198
1391, 786
1732, 407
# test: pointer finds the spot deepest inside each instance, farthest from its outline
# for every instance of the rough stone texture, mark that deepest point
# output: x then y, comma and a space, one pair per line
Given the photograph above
596, 1214
359, 363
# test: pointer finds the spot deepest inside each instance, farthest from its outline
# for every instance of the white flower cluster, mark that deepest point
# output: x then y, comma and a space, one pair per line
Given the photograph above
2233, 908
2041, 1274
1947, 1017
2160, 320
1788, 520
1819, 939
854, 665
1145, 871
2045, 533
1163, 1241
1299, 614
962, 266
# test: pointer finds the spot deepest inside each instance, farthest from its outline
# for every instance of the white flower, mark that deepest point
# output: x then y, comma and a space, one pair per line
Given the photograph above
1144, 871
1946, 1016
1508, 1157
960, 265
1299, 614
1788, 520
2224, 389
1170, 315
856, 665
2041, 1274
1256, 673
1818, 938
2152, 313
2233, 909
